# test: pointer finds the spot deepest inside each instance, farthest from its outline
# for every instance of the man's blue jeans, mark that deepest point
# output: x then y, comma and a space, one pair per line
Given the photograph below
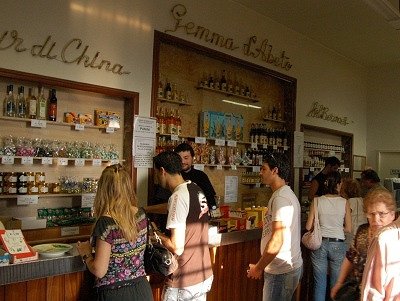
282, 286
329, 255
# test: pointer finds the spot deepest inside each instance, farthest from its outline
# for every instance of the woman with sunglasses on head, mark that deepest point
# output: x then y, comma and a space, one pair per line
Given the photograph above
118, 239
379, 208
335, 219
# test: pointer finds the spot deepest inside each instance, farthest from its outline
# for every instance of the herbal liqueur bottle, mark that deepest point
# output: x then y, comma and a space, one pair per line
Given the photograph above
41, 106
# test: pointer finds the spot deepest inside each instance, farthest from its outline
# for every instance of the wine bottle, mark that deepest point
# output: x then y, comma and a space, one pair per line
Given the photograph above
10, 104
41, 105
223, 81
52, 112
31, 101
5, 101
21, 103
168, 91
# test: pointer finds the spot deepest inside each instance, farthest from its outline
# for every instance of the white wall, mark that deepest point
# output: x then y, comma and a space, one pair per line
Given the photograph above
123, 33
383, 112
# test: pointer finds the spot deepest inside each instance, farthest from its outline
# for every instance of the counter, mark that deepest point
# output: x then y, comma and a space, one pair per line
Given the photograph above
231, 253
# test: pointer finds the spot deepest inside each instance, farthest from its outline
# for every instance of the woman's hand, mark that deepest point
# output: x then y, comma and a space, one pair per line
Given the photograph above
335, 289
84, 248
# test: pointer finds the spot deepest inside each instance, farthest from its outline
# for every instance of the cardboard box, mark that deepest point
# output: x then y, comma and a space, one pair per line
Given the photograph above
32, 223
239, 124
218, 125
221, 224
252, 219
10, 223
204, 128
230, 126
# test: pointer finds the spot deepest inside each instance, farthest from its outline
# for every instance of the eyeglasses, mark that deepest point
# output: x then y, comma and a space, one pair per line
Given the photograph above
379, 214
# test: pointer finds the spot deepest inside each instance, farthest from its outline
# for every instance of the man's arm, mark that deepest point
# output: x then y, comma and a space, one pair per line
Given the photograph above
272, 248
175, 243
313, 190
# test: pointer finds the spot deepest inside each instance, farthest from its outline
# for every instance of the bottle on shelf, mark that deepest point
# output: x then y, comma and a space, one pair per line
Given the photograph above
178, 123
31, 101
162, 121
41, 105
10, 105
21, 103
52, 112
168, 91
217, 83
160, 93
5, 101
223, 83
210, 82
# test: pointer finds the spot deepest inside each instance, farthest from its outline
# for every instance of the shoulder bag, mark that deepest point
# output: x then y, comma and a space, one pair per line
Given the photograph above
157, 258
313, 239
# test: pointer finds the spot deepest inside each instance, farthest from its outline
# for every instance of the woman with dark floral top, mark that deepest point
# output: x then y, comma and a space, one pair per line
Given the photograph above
118, 239
379, 208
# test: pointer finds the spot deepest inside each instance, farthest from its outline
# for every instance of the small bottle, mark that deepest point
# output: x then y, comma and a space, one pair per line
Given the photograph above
10, 109
168, 91
52, 112
223, 81
21, 103
41, 106
160, 92
5, 101
31, 101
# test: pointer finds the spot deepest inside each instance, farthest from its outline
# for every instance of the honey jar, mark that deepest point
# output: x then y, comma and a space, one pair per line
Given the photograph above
33, 188
22, 188
40, 177
43, 188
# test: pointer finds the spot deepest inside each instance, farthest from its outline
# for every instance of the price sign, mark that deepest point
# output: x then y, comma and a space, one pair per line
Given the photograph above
285, 148
256, 168
254, 145
220, 142
115, 161
312, 168
69, 231
79, 127
198, 166
174, 137
96, 162
47, 161
275, 146
79, 162
27, 160
219, 167
36, 123
27, 199
347, 169
7, 160
258, 185
62, 161
88, 199
110, 130
265, 146
231, 143
200, 140
233, 167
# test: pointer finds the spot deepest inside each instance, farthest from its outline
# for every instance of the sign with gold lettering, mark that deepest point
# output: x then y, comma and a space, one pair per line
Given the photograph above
322, 112
72, 52
253, 47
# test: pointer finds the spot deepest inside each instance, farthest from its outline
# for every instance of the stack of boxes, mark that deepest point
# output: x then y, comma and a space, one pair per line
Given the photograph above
227, 219
220, 125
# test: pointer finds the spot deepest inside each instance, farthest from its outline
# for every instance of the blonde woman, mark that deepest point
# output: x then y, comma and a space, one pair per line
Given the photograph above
118, 239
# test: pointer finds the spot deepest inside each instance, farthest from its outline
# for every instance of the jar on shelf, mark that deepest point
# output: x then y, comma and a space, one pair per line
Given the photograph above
43, 188
22, 188
33, 188
40, 177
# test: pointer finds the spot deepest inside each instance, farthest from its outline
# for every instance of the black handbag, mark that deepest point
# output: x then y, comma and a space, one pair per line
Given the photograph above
157, 258
349, 291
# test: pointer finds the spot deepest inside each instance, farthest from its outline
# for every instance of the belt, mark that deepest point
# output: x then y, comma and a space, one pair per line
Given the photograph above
333, 239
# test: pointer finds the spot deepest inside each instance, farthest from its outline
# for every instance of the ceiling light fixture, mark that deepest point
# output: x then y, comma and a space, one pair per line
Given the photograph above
242, 104
387, 10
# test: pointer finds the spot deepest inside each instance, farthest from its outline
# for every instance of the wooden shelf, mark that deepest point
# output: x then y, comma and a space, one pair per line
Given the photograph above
45, 195
68, 159
246, 98
173, 101
274, 120
55, 123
